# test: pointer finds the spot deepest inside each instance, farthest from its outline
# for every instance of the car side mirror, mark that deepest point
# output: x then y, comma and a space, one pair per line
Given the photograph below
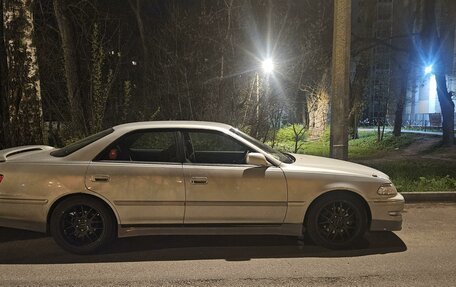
256, 158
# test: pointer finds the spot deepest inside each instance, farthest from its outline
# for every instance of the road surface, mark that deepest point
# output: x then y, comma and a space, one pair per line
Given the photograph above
422, 254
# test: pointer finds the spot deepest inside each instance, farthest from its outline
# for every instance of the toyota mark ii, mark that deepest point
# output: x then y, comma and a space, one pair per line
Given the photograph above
182, 177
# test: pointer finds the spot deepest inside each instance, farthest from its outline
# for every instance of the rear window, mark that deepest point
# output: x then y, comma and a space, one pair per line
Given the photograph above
71, 148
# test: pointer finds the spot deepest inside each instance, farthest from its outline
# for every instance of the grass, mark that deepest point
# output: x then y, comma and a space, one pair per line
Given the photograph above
366, 146
414, 174
420, 174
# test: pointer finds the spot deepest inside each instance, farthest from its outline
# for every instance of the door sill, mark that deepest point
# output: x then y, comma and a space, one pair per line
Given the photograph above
210, 229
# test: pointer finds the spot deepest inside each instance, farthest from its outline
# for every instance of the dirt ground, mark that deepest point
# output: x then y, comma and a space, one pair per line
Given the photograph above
423, 147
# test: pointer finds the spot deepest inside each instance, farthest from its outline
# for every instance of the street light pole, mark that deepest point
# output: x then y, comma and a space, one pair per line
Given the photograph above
267, 66
257, 96
340, 79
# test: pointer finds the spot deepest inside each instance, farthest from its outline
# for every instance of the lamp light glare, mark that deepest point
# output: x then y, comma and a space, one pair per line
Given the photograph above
428, 69
268, 66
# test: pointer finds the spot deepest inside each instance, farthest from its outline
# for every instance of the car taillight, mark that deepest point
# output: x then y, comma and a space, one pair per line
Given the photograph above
1, 178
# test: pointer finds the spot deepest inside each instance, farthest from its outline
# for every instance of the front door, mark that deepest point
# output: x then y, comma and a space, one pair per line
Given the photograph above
141, 175
222, 189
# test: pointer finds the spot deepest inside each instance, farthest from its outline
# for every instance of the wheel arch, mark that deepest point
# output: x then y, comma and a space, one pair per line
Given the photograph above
340, 191
80, 194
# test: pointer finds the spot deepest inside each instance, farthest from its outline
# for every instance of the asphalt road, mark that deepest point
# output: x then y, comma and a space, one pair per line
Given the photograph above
422, 254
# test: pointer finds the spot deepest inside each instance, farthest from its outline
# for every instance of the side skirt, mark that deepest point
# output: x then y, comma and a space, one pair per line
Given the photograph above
210, 229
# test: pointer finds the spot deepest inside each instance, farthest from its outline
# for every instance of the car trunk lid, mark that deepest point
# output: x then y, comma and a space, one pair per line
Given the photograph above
6, 154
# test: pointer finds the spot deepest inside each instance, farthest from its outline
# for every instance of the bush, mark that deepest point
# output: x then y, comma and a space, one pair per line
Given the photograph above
286, 138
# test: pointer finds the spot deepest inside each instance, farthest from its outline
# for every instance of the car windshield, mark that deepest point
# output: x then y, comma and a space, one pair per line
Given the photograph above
283, 157
71, 148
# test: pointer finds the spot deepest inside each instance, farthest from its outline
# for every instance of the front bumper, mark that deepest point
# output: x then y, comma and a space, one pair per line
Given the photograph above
387, 213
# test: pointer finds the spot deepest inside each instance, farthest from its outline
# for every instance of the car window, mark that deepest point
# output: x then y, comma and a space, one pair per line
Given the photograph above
71, 148
154, 141
147, 146
283, 157
213, 147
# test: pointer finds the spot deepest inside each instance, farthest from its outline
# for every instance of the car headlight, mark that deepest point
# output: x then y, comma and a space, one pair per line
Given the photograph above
387, 189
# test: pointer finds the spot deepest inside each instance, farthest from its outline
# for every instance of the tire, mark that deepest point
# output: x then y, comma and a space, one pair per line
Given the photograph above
337, 221
82, 225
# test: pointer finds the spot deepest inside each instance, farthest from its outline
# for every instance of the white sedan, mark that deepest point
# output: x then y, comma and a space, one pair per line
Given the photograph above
182, 177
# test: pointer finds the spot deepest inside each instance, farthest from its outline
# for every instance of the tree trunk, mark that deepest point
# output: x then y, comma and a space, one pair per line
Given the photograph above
23, 84
447, 108
357, 94
399, 111
145, 63
4, 138
404, 80
72, 73
400, 105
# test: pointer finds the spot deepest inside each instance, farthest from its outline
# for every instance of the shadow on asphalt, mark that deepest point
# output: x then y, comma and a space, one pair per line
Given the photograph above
24, 247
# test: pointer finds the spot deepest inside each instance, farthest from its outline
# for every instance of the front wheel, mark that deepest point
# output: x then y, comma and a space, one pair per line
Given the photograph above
337, 221
82, 225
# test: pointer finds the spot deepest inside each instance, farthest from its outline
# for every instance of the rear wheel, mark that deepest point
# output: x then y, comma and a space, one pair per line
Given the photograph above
337, 221
82, 225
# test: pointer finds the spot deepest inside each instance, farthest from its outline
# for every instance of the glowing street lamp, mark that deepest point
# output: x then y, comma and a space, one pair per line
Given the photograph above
268, 66
428, 69
432, 83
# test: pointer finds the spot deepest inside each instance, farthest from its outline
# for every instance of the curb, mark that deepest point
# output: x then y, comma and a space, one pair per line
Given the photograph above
434, 196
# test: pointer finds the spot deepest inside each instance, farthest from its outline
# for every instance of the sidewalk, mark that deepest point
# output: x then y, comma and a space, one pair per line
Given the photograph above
404, 131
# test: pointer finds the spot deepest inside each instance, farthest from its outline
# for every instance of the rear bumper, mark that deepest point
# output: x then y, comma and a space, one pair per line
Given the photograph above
22, 224
387, 213
20, 213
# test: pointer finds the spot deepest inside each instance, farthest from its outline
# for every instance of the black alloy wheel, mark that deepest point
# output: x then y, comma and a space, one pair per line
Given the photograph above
82, 225
337, 221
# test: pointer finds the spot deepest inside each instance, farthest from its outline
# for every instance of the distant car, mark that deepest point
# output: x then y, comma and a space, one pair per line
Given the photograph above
182, 177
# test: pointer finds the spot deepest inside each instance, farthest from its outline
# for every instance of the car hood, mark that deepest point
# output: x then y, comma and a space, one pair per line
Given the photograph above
335, 166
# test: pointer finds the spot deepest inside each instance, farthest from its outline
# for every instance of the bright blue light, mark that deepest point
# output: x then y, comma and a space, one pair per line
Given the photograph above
428, 69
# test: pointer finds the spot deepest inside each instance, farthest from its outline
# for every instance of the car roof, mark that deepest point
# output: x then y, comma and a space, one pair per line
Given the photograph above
173, 124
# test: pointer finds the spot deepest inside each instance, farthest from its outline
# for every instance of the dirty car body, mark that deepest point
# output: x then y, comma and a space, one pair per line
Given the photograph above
182, 177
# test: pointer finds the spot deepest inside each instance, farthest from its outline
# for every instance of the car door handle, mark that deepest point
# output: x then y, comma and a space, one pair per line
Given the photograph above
100, 178
199, 180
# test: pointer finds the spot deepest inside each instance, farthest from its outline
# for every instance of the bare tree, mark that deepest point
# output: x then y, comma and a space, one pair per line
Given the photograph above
101, 81
298, 136
23, 84
314, 80
71, 64
400, 45
404, 56
405, 70
4, 139
317, 106
137, 6
361, 57
190, 62
357, 93
434, 39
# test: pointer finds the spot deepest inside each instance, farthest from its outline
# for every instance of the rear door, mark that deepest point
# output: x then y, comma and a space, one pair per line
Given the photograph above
142, 175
